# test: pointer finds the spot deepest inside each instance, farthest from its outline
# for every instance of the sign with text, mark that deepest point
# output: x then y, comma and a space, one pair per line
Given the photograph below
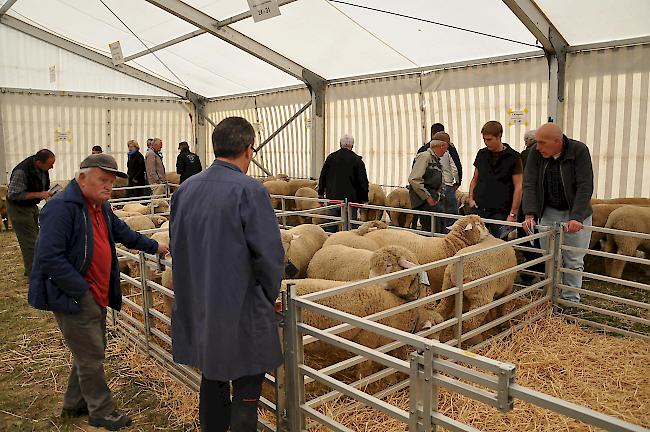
62, 136
263, 9
518, 117
52, 74
116, 53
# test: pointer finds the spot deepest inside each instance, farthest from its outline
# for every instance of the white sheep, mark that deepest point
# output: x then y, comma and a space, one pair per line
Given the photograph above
627, 218
139, 223
476, 267
307, 192
462, 198
173, 178
136, 208
162, 237
344, 263
165, 225
376, 196
125, 214
466, 231
118, 183
361, 302
355, 238
160, 206
633, 201
300, 244
295, 184
157, 219
399, 198
277, 187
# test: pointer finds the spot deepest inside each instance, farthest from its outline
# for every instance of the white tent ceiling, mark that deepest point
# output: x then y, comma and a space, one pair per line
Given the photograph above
331, 38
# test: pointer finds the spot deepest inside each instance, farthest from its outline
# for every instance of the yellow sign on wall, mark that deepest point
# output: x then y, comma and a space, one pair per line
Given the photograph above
61, 136
517, 117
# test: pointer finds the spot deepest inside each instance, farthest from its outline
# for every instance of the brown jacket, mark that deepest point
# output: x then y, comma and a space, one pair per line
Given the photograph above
155, 168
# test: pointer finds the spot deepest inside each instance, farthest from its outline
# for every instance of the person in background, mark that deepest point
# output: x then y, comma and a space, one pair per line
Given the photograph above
76, 275
495, 189
426, 185
228, 266
136, 171
29, 183
529, 143
558, 185
187, 163
97, 150
451, 181
155, 167
149, 141
436, 128
343, 176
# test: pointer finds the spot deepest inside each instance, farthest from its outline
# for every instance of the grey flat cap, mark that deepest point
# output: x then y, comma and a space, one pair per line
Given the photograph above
103, 161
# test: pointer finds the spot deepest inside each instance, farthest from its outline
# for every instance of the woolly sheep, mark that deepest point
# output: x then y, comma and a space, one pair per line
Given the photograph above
173, 178
295, 184
462, 198
160, 206
124, 214
344, 263
119, 183
600, 214
280, 176
361, 302
399, 198
165, 225
277, 187
307, 192
300, 244
467, 231
633, 201
157, 219
376, 196
139, 223
136, 208
476, 267
355, 238
167, 282
162, 237
628, 218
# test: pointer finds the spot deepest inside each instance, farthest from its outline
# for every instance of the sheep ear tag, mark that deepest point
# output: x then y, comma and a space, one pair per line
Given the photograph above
469, 227
424, 278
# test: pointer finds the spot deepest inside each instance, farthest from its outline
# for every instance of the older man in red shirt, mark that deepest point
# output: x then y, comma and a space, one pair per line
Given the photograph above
76, 275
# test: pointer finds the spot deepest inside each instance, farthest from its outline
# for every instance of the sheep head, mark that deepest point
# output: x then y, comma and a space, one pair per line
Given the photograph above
371, 226
470, 229
290, 270
390, 259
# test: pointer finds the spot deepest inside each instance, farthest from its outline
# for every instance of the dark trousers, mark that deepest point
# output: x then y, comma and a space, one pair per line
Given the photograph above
25, 222
498, 231
85, 335
450, 205
425, 221
217, 411
337, 212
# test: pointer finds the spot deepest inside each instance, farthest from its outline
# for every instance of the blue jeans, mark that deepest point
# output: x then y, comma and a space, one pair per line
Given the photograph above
571, 260
450, 205
337, 212
498, 231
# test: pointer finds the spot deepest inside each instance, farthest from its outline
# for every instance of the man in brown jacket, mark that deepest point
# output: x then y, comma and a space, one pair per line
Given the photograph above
155, 167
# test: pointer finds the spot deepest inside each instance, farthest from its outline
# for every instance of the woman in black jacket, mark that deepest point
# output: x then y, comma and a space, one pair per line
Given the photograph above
136, 170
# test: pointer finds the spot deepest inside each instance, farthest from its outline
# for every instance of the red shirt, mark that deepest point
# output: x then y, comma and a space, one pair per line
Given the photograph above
99, 273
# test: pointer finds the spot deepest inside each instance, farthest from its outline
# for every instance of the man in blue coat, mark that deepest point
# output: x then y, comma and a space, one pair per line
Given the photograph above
228, 265
75, 274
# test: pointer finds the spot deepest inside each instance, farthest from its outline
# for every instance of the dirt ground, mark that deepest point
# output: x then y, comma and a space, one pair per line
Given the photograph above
34, 366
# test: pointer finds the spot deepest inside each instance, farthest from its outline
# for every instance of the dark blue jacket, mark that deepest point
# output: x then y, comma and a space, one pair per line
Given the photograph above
64, 251
228, 266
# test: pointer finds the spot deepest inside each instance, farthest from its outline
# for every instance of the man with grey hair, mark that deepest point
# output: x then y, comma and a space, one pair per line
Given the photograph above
343, 176
558, 184
529, 142
76, 275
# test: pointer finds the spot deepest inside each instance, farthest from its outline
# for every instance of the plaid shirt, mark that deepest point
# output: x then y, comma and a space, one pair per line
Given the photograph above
18, 185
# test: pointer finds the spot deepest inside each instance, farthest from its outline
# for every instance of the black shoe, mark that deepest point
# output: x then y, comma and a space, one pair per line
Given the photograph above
74, 412
114, 421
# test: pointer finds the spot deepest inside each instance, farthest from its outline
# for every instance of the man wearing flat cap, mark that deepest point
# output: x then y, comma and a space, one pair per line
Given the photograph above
75, 274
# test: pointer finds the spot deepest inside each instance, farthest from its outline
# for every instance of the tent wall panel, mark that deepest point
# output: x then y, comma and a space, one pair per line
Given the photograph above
29, 123
607, 94
383, 116
290, 151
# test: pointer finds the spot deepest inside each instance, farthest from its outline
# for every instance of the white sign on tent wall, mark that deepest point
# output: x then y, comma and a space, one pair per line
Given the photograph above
52, 74
116, 53
263, 9
517, 117
62, 136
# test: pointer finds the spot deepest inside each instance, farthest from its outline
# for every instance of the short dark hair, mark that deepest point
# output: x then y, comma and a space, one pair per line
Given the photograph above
183, 145
43, 155
437, 127
232, 136
493, 128
97, 148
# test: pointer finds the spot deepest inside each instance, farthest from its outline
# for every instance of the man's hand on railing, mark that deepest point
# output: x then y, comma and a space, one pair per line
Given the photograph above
573, 226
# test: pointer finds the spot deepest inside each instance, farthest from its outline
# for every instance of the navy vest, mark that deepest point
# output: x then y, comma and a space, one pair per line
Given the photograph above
34, 183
